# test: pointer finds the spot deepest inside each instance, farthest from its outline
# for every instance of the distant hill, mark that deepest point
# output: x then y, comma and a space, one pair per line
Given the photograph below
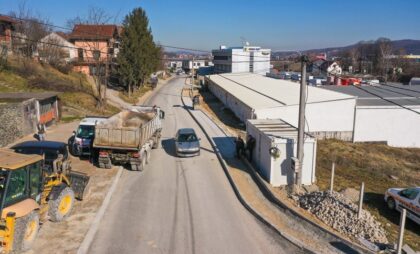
410, 47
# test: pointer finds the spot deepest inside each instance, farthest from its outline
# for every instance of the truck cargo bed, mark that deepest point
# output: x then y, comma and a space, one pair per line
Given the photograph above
129, 129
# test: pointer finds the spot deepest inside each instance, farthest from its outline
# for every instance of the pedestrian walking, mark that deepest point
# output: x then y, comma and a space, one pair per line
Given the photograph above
41, 131
250, 145
240, 146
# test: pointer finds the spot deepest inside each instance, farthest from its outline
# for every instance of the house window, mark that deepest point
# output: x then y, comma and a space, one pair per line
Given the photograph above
80, 53
96, 54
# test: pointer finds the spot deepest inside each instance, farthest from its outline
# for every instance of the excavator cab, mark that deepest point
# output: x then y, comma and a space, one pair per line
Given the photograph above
20, 199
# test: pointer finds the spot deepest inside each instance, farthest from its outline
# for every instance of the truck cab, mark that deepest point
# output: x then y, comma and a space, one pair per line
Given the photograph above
81, 140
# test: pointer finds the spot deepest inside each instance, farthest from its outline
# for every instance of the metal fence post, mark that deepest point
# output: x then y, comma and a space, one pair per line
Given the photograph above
332, 177
401, 233
362, 190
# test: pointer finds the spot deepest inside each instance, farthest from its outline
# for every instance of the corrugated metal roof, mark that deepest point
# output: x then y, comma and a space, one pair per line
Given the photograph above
372, 95
276, 128
261, 92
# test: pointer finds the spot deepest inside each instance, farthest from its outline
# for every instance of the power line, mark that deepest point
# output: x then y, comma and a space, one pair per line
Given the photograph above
96, 34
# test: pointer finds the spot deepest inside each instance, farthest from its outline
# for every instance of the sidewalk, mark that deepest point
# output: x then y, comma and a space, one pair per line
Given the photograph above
250, 192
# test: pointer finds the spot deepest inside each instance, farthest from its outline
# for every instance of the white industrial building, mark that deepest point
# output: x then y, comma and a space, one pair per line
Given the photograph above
329, 114
241, 59
276, 144
188, 65
386, 113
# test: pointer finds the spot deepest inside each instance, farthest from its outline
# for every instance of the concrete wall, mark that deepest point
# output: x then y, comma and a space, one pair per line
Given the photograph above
15, 122
397, 126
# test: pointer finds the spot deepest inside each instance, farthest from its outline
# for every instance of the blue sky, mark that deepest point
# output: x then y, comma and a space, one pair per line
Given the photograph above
277, 24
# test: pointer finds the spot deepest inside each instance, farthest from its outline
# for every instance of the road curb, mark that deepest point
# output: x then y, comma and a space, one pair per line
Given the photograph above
87, 241
292, 240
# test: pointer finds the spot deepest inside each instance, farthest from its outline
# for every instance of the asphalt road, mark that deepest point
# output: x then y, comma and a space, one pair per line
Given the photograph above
181, 205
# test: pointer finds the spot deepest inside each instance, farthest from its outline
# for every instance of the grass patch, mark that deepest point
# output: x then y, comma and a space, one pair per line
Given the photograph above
68, 119
135, 95
86, 104
75, 91
372, 164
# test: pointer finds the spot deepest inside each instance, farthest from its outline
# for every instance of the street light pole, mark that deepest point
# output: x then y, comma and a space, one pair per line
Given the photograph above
301, 124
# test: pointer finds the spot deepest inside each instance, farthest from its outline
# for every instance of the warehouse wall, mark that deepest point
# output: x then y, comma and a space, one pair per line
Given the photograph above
397, 126
333, 119
242, 111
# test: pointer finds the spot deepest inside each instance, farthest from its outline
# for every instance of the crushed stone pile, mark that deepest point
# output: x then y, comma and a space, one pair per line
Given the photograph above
340, 213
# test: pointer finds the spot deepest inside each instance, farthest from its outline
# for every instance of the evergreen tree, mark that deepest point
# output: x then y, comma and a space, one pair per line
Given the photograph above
138, 54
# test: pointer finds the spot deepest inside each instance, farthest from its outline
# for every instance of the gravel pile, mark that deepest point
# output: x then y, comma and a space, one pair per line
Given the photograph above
341, 214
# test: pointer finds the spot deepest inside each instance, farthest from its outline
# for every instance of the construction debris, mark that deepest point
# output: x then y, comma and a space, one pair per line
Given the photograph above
340, 213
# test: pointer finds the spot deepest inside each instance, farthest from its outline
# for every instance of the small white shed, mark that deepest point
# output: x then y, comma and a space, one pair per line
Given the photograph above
276, 169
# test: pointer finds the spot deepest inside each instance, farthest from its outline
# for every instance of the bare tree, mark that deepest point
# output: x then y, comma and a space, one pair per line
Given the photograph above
51, 51
95, 16
29, 29
384, 57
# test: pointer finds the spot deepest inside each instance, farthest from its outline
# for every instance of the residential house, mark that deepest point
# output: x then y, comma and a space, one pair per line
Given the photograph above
6, 28
56, 45
96, 47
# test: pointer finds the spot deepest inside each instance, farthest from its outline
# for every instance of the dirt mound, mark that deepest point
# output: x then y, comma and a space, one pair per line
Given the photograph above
351, 194
341, 214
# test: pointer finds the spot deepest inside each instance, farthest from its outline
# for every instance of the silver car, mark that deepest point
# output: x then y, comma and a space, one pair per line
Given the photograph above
186, 143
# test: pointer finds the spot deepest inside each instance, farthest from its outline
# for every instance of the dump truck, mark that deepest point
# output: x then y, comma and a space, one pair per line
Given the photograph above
30, 195
128, 137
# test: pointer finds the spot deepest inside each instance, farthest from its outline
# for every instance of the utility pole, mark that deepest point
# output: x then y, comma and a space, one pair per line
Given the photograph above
301, 125
192, 76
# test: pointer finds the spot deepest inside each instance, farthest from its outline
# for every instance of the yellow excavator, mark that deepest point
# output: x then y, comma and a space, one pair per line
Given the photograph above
30, 195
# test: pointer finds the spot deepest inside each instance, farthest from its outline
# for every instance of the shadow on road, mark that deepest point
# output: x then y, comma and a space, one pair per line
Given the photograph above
169, 146
344, 248
184, 107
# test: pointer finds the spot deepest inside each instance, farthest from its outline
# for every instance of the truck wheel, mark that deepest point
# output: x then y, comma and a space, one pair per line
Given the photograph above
133, 167
391, 203
61, 207
148, 156
26, 231
101, 165
108, 165
141, 166
156, 144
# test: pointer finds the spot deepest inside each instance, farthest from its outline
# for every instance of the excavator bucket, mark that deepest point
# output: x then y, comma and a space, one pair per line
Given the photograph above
79, 183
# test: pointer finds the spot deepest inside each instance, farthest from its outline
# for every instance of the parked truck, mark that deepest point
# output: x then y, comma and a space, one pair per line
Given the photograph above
128, 137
